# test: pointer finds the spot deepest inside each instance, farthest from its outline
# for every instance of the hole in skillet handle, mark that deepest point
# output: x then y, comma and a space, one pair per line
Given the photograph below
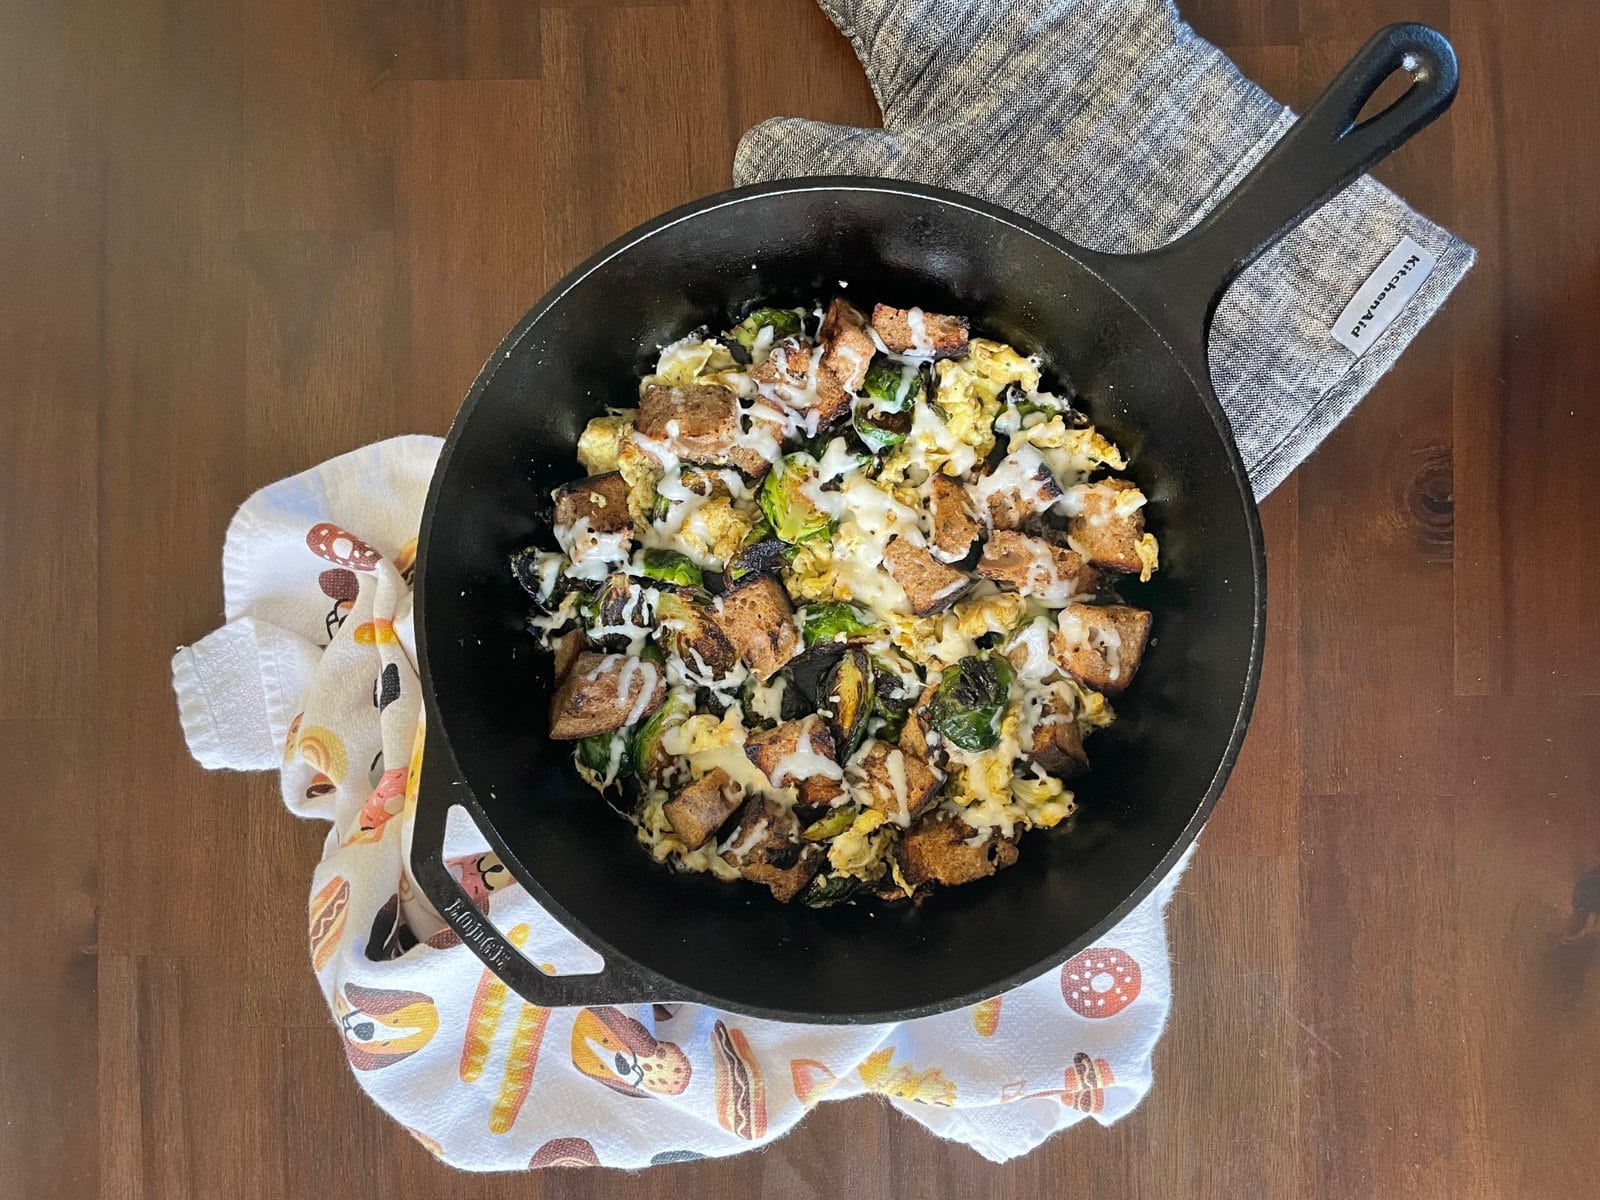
619, 981
1178, 286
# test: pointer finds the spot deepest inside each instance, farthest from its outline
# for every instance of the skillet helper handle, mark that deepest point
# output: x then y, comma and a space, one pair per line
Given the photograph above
1320, 154
439, 789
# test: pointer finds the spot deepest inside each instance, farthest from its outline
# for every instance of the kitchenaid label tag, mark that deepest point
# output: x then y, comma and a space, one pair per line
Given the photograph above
1379, 300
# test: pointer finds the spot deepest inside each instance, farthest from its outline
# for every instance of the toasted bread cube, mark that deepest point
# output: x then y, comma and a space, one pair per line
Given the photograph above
910, 330
702, 807
1101, 645
759, 621
930, 585
789, 372
915, 734
1035, 567
847, 347
895, 782
766, 848
936, 849
1056, 742
1021, 487
955, 521
698, 422
604, 692
1099, 533
800, 754
602, 500
567, 647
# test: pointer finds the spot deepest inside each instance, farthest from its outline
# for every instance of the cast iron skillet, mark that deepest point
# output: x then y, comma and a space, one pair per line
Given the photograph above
1129, 332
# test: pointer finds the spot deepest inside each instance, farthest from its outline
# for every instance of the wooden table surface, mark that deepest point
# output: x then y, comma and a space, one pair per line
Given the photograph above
236, 239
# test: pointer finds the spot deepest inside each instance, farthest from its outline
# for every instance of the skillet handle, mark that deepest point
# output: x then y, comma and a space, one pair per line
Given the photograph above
1181, 283
439, 789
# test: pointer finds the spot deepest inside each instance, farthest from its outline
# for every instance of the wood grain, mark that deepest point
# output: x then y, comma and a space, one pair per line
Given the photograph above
237, 239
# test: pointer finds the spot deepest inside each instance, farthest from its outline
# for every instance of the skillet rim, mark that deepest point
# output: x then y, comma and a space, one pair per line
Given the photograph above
1104, 268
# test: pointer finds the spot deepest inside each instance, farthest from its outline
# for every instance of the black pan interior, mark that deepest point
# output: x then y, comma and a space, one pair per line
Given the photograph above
1154, 771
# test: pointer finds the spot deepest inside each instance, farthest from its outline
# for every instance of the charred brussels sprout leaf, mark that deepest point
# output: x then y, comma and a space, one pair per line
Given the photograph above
784, 323
824, 890
832, 824
792, 515
541, 573
971, 696
669, 566
881, 431
847, 695
605, 757
647, 757
894, 388
833, 620
761, 553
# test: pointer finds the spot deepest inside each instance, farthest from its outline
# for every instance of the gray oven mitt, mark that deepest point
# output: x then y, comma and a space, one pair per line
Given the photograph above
1113, 123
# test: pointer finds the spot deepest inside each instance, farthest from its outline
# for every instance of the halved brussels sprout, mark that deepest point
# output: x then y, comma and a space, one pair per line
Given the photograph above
648, 758
834, 620
784, 322
847, 695
792, 515
685, 627
824, 890
605, 757
895, 692
833, 824
671, 567
893, 386
616, 615
971, 696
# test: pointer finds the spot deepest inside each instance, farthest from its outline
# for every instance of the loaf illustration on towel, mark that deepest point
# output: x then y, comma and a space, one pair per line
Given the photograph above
741, 1091
382, 1027
618, 1051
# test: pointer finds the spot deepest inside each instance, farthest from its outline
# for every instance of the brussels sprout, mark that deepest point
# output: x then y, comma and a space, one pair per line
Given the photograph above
971, 696
617, 615
686, 627
894, 387
893, 696
847, 695
671, 567
542, 573
605, 757
792, 515
835, 822
784, 322
826, 620
647, 756
824, 890
881, 431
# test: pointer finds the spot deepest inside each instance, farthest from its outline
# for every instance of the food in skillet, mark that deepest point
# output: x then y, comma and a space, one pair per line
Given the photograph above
835, 608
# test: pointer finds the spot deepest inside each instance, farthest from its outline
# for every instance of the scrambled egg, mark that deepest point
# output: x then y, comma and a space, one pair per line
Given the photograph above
687, 360
1077, 452
860, 850
1043, 798
714, 530
998, 365
1149, 557
602, 439
642, 471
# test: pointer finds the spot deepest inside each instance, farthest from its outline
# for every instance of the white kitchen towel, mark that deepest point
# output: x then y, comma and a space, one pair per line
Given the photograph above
1112, 123
315, 674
